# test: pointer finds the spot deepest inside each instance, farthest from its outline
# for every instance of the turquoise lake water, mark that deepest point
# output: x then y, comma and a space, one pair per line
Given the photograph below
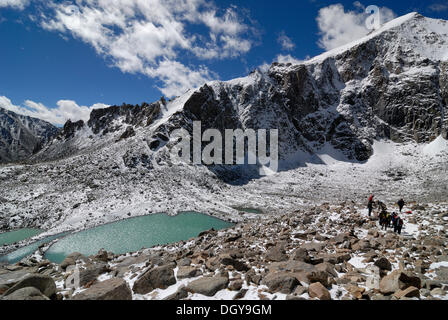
18, 235
135, 233
250, 210
23, 252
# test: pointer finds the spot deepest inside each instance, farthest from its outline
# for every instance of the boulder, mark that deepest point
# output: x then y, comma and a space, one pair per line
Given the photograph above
313, 246
335, 258
317, 290
8, 279
208, 286
112, 289
71, 259
156, 278
44, 284
373, 281
442, 273
390, 283
188, 272
318, 276
301, 254
236, 285
383, 264
356, 291
91, 273
409, 279
410, 292
276, 254
27, 293
240, 294
282, 282
184, 262
238, 265
101, 256
181, 293
437, 292
327, 267
398, 280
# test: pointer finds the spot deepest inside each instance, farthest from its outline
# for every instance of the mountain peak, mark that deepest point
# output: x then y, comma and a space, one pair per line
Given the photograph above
426, 36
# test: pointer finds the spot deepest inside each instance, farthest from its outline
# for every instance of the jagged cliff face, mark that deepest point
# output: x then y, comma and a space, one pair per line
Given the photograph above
393, 84
21, 136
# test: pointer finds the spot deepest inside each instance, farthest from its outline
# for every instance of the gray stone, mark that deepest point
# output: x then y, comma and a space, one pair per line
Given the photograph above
180, 294
91, 273
276, 254
44, 284
156, 278
184, 262
112, 289
301, 254
11, 278
188, 272
282, 282
27, 293
313, 246
208, 286
71, 259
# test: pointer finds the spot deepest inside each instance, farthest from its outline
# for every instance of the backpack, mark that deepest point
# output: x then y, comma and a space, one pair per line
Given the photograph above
400, 222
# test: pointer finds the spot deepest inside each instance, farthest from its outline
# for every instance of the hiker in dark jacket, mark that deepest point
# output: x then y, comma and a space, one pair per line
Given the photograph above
398, 225
400, 204
393, 218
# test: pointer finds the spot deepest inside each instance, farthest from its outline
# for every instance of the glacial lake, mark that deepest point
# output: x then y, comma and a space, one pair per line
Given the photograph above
135, 233
250, 210
18, 235
23, 252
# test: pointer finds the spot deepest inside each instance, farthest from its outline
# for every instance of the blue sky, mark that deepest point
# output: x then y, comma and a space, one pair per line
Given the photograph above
59, 59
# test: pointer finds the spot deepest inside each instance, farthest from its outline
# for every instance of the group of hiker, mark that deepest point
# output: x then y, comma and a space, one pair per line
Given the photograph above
386, 219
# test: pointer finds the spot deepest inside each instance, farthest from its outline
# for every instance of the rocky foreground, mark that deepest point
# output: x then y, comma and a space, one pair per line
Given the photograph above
328, 252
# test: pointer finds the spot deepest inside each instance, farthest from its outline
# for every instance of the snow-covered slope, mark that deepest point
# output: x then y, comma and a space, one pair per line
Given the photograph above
20, 135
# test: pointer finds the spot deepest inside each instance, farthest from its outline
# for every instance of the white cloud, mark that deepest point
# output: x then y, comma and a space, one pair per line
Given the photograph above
288, 59
281, 59
65, 110
15, 4
151, 36
285, 41
438, 7
338, 27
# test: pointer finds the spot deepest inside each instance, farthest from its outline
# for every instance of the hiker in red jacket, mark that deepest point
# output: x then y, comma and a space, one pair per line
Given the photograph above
370, 205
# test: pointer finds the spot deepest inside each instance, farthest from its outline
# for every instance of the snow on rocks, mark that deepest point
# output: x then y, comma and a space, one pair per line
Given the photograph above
320, 259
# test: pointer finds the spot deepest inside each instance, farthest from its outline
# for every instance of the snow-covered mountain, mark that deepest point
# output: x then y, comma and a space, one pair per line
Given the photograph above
391, 84
366, 110
21, 136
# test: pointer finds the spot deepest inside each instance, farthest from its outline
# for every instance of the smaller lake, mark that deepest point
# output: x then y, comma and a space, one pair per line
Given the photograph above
132, 234
18, 235
250, 210
23, 252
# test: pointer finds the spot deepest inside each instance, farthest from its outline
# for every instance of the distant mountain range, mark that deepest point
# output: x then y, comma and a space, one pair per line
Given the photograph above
22, 136
391, 84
